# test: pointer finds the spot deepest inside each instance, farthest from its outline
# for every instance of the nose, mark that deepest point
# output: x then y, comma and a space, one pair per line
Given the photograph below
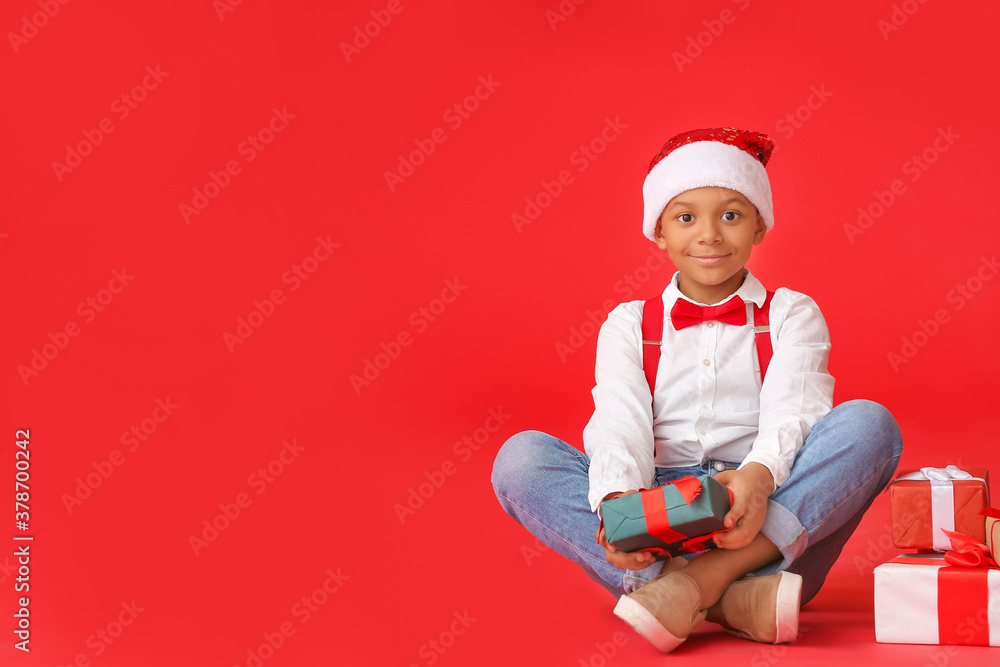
709, 232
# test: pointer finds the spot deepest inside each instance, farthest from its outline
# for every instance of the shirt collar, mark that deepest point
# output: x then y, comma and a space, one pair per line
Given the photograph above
751, 290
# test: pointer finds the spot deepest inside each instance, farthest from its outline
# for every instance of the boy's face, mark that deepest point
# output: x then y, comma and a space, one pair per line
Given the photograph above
708, 234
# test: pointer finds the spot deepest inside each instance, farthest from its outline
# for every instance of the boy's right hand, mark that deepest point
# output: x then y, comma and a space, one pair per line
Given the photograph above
623, 560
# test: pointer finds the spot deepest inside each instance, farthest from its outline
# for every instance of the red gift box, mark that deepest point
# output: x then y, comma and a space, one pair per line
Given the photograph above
926, 501
921, 599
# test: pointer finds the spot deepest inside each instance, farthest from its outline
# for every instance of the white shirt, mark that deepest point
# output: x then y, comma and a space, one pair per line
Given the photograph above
709, 399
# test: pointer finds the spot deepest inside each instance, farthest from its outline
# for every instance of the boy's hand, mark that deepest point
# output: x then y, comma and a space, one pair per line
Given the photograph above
623, 560
751, 487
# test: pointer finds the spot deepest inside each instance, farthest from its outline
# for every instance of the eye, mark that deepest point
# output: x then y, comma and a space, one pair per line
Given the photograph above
730, 216
685, 217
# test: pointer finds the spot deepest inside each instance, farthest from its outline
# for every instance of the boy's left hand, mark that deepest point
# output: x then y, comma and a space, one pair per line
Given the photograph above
751, 487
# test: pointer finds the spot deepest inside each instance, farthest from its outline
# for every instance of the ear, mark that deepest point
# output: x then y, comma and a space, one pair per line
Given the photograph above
661, 241
760, 231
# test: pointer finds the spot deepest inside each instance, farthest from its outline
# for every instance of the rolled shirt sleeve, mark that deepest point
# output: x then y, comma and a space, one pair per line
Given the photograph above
797, 390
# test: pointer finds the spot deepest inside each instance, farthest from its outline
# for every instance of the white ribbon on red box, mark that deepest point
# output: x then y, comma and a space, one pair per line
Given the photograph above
942, 498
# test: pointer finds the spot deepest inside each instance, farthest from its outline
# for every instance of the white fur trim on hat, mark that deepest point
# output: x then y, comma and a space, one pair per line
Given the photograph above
705, 164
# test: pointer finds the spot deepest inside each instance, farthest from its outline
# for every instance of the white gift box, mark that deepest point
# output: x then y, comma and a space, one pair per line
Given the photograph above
920, 599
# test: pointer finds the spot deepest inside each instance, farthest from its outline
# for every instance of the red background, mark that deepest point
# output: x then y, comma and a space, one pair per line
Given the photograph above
886, 93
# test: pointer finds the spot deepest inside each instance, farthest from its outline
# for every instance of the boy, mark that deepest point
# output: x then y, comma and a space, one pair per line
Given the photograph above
802, 474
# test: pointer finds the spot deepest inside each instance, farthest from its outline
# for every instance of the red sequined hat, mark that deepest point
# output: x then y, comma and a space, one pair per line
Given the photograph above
721, 157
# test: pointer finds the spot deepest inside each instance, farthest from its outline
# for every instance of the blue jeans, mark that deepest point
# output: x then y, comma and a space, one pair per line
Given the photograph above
848, 458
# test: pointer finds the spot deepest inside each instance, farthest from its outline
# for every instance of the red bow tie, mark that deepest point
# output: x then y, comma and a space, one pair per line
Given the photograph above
685, 314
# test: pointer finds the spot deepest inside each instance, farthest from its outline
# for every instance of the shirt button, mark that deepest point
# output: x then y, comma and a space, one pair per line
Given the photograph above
704, 408
706, 362
719, 466
711, 324
701, 431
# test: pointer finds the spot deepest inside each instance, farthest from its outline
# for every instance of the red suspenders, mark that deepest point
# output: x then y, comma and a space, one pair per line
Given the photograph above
652, 335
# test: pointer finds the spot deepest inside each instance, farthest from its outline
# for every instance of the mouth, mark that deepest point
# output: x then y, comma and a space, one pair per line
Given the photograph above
709, 260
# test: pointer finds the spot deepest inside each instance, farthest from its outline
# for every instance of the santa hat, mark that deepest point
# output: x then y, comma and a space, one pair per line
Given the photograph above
722, 157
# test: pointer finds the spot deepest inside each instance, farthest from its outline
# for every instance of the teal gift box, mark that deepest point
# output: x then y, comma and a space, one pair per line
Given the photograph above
676, 518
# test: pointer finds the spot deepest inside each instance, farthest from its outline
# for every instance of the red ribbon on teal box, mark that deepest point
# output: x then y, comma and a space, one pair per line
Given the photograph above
676, 518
